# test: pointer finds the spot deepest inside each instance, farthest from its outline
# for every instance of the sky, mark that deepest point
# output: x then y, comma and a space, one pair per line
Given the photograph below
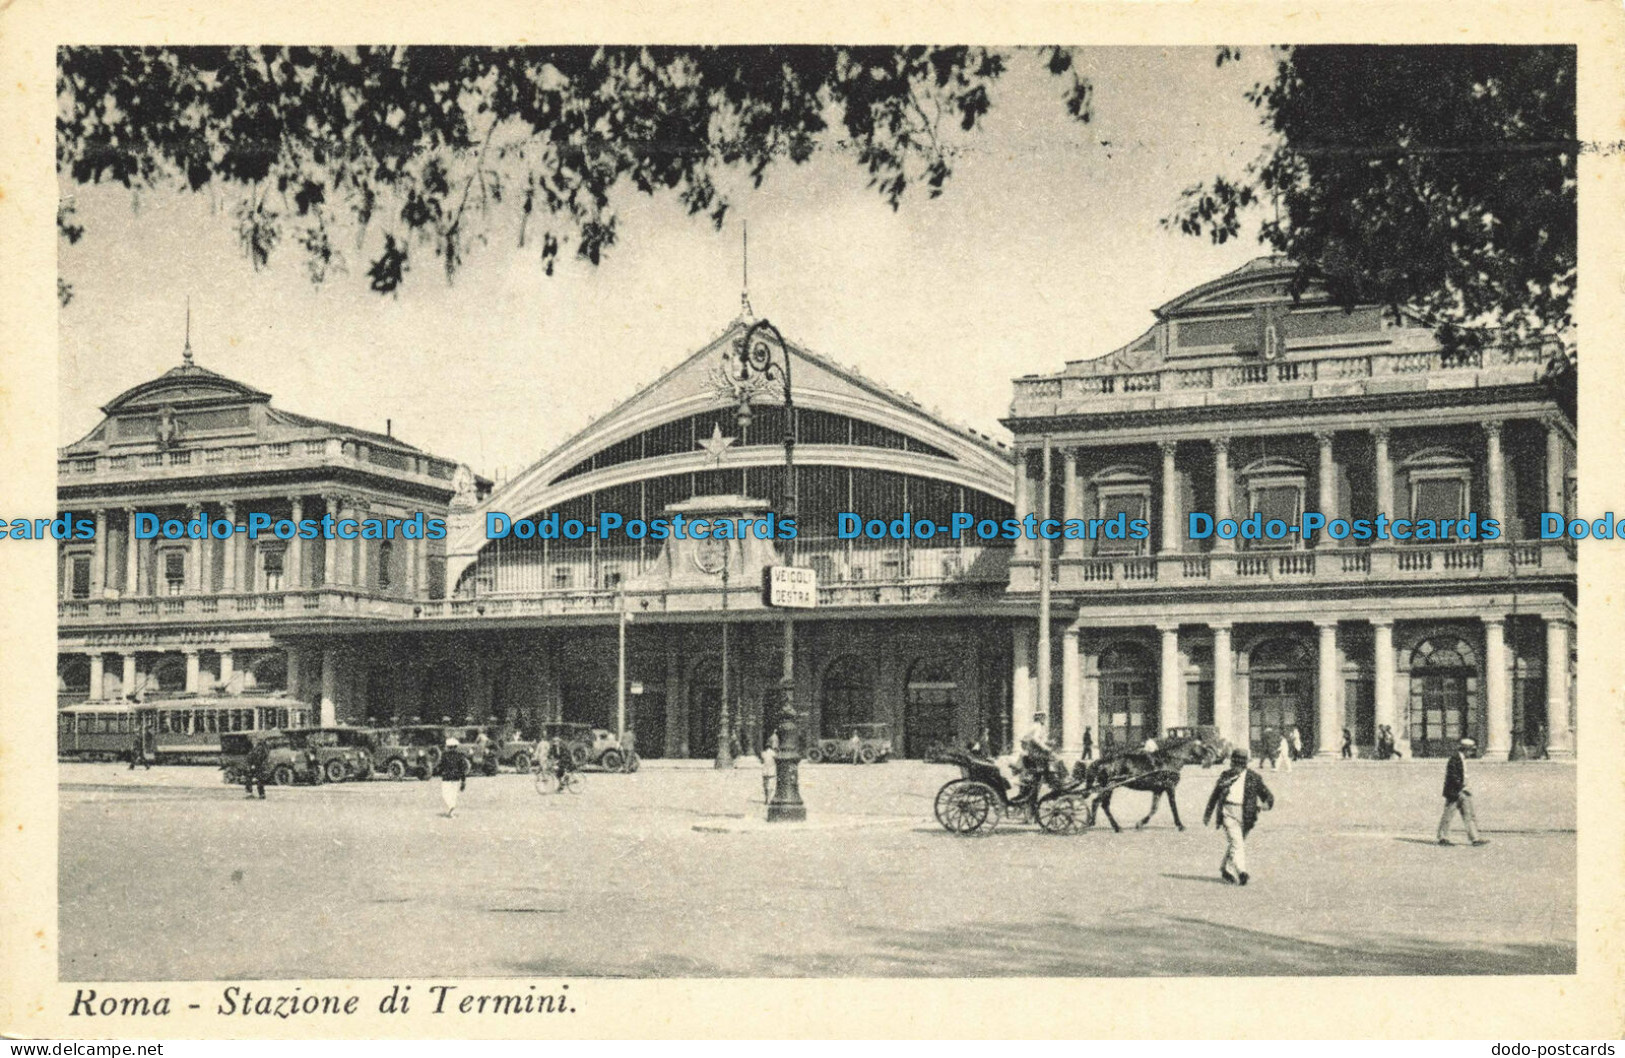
1046, 246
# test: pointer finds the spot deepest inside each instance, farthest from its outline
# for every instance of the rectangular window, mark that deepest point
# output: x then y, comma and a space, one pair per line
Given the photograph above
1132, 506
175, 571
1278, 501
271, 564
1438, 499
81, 576
386, 559
561, 576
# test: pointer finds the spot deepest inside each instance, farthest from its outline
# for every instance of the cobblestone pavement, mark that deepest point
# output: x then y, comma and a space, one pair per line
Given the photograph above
170, 874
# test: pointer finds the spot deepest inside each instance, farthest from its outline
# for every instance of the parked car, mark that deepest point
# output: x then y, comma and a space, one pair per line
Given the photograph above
588, 744
286, 763
503, 747
427, 739
1215, 747
396, 757
338, 754
874, 745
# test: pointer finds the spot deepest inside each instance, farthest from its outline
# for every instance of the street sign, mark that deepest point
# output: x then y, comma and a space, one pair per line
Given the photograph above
794, 587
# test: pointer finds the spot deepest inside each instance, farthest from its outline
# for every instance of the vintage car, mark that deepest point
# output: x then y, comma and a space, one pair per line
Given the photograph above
873, 745
502, 747
338, 754
285, 763
590, 745
396, 757
1215, 747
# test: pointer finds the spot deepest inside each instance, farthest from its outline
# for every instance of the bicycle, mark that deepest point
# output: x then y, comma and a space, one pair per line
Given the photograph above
547, 782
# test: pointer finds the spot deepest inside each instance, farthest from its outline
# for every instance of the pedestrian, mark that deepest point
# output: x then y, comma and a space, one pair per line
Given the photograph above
1296, 749
1542, 745
629, 751
1088, 743
255, 767
138, 751
770, 771
1457, 797
1235, 800
1272, 748
854, 747
454, 769
1348, 744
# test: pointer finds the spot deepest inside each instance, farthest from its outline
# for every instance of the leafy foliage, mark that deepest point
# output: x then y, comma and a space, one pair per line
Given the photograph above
1436, 180
424, 142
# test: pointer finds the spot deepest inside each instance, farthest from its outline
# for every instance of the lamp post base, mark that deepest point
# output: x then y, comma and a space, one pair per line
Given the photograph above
786, 805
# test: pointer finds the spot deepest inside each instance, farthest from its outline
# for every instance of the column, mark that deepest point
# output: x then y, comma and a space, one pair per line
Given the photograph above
1072, 498
1385, 473
1171, 712
194, 558
411, 561
229, 578
296, 682
1382, 656
98, 561
420, 548
1224, 687
293, 572
191, 671
330, 674
1222, 488
1331, 733
128, 690
1021, 682
97, 676
132, 553
1495, 466
1071, 740
228, 673
1327, 483
330, 561
676, 715
1497, 691
356, 568
1560, 739
1554, 466
1170, 497
1023, 503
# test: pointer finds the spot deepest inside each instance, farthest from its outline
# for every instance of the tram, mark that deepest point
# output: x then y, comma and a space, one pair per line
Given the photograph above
178, 731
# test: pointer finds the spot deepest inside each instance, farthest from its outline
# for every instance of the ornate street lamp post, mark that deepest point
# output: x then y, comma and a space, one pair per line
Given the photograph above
756, 365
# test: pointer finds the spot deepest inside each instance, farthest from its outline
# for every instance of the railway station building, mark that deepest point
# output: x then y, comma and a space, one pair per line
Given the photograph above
1238, 399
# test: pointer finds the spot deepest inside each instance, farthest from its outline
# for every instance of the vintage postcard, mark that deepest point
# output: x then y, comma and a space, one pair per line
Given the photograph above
706, 520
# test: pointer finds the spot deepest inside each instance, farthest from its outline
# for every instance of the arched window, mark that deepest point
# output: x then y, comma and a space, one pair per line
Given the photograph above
1128, 704
1279, 681
930, 713
847, 696
1444, 699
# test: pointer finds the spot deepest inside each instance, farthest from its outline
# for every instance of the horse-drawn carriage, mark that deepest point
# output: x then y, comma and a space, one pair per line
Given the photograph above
1058, 801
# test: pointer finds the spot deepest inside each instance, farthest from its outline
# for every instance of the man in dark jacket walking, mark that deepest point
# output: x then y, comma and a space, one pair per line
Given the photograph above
1235, 801
1457, 797
255, 766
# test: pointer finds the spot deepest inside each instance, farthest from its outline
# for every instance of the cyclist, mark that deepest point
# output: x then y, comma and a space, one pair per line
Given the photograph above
562, 763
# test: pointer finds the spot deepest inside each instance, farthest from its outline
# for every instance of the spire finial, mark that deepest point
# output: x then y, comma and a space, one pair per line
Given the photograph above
744, 287
186, 353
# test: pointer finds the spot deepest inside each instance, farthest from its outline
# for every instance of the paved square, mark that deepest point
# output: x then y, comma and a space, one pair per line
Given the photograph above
170, 874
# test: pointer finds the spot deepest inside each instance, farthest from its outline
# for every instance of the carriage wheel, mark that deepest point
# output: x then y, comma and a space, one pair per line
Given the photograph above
1066, 814
964, 806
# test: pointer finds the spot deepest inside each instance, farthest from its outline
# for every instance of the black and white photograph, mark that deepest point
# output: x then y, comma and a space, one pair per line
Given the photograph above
531, 514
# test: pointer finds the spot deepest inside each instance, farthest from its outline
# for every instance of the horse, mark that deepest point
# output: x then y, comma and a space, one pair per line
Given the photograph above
1156, 772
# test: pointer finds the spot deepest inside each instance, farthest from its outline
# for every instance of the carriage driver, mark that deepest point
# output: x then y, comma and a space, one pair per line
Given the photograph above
1036, 757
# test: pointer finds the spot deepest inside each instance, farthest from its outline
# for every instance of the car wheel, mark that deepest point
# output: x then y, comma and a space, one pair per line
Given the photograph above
521, 762
815, 754
868, 755
282, 775
578, 756
396, 769
334, 771
611, 760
